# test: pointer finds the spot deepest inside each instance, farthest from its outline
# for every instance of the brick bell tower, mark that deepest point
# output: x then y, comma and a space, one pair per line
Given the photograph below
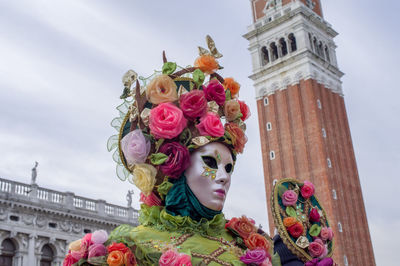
302, 116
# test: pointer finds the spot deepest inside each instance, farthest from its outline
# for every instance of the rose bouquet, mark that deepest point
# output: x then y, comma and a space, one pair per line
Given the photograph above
92, 250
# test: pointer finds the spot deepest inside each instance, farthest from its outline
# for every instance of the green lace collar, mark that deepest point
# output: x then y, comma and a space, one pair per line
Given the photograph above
157, 217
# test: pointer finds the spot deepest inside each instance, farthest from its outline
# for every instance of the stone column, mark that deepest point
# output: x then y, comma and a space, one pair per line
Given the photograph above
69, 200
101, 207
31, 250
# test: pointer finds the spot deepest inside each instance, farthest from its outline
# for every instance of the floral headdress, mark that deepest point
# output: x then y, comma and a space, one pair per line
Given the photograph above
301, 221
167, 115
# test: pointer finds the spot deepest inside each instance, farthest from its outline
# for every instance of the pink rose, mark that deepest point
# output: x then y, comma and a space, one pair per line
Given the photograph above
256, 256
314, 215
307, 190
166, 121
183, 260
317, 249
69, 260
266, 262
168, 258
99, 237
326, 262
215, 92
326, 233
193, 104
135, 147
178, 159
97, 250
151, 200
289, 198
211, 125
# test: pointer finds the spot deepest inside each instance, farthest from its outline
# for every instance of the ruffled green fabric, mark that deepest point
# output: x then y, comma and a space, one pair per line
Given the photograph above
181, 200
157, 217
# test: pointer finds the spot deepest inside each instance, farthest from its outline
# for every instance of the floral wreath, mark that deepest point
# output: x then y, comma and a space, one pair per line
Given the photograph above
171, 113
301, 221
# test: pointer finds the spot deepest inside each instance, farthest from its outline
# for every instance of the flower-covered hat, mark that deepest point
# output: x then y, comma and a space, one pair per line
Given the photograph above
301, 221
171, 113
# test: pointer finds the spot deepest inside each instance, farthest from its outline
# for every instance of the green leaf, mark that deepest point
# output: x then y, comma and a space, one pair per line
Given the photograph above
164, 187
228, 95
314, 230
198, 77
281, 190
158, 158
291, 212
159, 143
168, 68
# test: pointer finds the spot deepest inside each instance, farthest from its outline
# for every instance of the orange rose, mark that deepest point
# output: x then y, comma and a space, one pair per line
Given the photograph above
206, 63
231, 110
256, 240
289, 221
242, 225
232, 85
115, 258
161, 89
238, 137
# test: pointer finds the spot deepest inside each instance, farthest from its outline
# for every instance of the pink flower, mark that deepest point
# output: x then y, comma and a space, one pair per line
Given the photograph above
99, 237
211, 125
183, 260
326, 233
256, 256
97, 250
168, 258
87, 239
135, 147
245, 110
178, 159
289, 198
215, 92
151, 200
166, 121
69, 260
266, 262
314, 215
193, 104
307, 190
317, 249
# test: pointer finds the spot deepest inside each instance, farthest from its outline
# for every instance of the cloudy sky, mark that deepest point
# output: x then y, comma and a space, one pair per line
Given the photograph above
61, 64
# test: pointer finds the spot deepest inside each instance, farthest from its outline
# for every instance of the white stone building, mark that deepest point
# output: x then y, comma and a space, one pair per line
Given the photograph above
37, 224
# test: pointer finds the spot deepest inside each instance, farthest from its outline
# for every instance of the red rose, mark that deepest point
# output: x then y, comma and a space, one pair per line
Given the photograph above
193, 104
314, 215
245, 110
178, 159
296, 230
256, 240
307, 190
129, 259
215, 92
117, 246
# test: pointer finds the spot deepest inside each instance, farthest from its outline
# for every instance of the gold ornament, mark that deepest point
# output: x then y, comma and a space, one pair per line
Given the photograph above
213, 107
302, 242
182, 91
200, 141
144, 116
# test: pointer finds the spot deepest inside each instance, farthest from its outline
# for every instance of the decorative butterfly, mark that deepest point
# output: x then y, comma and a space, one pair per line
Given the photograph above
211, 45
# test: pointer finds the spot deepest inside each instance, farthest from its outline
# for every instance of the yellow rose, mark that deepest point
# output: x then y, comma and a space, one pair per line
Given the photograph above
231, 110
75, 246
161, 89
144, 177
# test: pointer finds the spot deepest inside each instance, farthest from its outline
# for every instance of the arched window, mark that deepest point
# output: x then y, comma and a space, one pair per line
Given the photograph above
320, 49
292, 41
315, 45
328, 58
274, 51
7, 252
265, 55
283, 45
47, 255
